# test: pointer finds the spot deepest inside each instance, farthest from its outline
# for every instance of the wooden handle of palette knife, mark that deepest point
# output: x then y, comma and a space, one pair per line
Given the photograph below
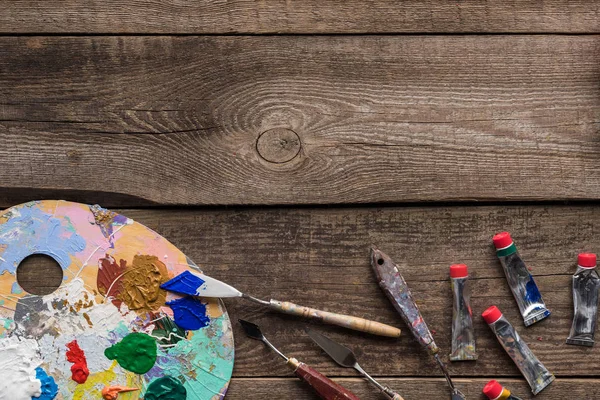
325, 387
397, 397
347, 321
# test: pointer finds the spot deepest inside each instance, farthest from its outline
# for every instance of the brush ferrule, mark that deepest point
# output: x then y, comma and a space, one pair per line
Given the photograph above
293, 363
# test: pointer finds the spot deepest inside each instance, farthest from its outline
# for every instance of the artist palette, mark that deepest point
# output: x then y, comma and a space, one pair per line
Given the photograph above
109, 331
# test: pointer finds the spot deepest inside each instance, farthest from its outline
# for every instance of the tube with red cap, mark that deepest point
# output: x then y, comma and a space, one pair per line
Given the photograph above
586, 283
494, 391
532, 369
463, 337
524, 289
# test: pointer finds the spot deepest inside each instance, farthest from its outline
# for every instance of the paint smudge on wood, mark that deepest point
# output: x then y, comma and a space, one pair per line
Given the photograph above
75, 355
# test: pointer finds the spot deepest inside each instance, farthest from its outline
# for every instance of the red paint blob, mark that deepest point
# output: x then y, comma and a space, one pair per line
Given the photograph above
79, 369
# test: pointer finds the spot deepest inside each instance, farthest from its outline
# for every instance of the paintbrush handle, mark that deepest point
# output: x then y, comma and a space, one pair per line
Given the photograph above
325, 387
347, 321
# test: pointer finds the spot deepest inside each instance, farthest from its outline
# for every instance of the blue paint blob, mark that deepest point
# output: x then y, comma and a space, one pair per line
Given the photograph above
49, 386
184, 283
533, 294
189, 313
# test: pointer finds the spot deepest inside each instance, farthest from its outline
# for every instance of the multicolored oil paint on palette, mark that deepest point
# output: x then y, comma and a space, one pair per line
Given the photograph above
110, 331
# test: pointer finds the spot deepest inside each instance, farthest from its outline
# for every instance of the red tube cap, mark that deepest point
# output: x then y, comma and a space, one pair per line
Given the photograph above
586, 260
502, 240
493, 390
492, 314
459, 271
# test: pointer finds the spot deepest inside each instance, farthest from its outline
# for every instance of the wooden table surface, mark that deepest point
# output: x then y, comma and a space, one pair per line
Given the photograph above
274, 141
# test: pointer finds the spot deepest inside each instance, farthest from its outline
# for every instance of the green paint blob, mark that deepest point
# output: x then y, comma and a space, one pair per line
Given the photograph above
136, 352
166, 388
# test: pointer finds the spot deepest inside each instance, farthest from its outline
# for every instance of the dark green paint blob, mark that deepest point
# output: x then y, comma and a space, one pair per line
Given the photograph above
136, 352
166, 388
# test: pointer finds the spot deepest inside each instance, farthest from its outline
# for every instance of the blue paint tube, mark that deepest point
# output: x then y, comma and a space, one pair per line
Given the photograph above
585, 301
524, 289
463, 336
532, 369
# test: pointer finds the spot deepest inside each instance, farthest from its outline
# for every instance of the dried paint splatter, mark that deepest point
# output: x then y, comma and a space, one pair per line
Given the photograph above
107, 220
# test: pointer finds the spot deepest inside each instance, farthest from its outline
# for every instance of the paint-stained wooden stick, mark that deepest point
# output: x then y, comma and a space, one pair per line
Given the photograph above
346, 321
325, 387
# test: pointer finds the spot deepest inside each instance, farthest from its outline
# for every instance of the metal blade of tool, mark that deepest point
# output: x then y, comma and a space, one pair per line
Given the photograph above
339, 353
346, 358
200, 285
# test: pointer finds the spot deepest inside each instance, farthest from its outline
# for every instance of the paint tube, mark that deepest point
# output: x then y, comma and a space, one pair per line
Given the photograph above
532, 369
585, 301
463, 336
494, 391
524, 289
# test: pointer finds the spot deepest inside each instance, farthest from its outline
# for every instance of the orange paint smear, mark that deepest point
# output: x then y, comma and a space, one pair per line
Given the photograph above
112, 392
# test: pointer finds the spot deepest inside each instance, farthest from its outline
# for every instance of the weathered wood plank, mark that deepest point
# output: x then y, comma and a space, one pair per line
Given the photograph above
319, 257
309, 16
175, 120
410, 388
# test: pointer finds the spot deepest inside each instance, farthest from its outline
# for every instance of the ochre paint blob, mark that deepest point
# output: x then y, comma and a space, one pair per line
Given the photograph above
136, 352
166, 388
141, 283
189, 313
112, 392
49, 386
79, 369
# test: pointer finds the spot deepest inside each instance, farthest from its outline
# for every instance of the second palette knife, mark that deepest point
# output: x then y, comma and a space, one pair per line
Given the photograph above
346, 358
323, 386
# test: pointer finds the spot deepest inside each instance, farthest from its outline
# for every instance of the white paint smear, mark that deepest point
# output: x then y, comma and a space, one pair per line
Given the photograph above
20, 358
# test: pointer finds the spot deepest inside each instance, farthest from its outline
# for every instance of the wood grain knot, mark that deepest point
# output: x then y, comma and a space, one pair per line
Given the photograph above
278, 145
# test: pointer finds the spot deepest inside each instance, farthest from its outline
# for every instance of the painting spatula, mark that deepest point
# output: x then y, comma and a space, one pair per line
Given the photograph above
346, 358
205, 286
323, 386
398, 292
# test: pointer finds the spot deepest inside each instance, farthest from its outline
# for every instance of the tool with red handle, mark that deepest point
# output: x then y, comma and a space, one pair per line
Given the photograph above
322, 385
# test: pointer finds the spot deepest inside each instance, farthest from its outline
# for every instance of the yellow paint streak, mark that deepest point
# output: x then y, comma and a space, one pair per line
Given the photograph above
92, 388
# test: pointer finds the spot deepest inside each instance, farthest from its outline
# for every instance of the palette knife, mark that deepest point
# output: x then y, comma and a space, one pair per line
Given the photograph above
205, 286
